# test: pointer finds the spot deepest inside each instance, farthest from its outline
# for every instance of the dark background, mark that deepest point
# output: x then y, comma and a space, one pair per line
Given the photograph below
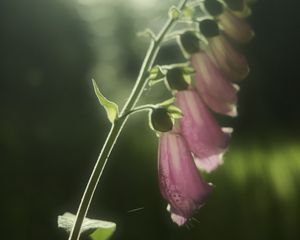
52, 128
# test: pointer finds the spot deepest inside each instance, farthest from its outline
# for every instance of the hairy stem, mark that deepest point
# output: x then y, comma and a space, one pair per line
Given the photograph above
118, 125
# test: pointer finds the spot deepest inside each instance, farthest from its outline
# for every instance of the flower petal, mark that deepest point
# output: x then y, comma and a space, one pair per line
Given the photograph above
180, 182
236, 28
213, 86
205, 138
232, 63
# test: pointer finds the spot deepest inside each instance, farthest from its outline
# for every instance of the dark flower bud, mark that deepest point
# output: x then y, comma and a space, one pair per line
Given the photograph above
176, 79
160, 120
190, 42
235, 5
213, 7
209, 28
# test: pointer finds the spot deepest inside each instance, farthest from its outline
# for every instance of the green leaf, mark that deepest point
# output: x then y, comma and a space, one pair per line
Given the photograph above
187, 78
102, 234
157, 72
103, 229
188, 12
188, 70
175, 112
111, 108
167, 102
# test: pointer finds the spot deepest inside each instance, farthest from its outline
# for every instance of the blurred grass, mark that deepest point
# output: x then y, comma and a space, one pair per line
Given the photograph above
257, 192
277, 165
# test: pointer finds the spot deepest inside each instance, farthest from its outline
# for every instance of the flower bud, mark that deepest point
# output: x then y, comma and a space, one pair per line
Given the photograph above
209, 28
190, 42
176, 79
160, 120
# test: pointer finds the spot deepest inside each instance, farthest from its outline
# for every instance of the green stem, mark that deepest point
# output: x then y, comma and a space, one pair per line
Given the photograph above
146, 107
118, 125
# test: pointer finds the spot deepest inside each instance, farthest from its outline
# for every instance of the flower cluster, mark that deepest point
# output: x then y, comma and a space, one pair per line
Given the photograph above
198, 141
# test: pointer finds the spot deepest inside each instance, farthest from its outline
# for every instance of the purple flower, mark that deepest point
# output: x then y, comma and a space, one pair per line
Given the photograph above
236, 28
230, 61
180, 182
205, 138
213, 86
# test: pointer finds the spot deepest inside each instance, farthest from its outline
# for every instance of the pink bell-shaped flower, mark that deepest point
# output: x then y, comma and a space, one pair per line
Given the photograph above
205, 138
213, 86
236, 28
180, 182
230, 61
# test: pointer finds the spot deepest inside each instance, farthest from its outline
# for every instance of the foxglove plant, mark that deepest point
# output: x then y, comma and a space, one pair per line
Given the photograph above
190, 138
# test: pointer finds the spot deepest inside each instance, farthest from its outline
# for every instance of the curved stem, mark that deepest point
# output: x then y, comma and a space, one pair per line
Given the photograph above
118, 125
138, 109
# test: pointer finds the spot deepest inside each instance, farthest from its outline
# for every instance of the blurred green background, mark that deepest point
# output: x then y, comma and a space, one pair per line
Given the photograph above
52, 128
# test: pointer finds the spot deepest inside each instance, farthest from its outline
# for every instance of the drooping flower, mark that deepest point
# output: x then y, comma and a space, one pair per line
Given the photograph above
231, 62
205, 138
180, 182
214, 87
233, 26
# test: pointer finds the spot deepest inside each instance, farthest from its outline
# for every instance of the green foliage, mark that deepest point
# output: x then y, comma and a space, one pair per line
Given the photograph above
175, 112
276, 164
167, 102
110, 107
102, 234
157, 72
103, 229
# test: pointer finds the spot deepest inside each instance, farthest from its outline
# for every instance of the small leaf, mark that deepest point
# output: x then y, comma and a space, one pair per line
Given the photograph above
188, 12
188, 70
102, 234
187, 78
103, 229
157, 72
111, 108
175, 112
167, 102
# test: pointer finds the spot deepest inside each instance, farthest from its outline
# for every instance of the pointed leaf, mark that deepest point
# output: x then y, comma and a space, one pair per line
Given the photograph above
103, 229
167, 102
175, 112
102, 234
157, 72
111, 108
